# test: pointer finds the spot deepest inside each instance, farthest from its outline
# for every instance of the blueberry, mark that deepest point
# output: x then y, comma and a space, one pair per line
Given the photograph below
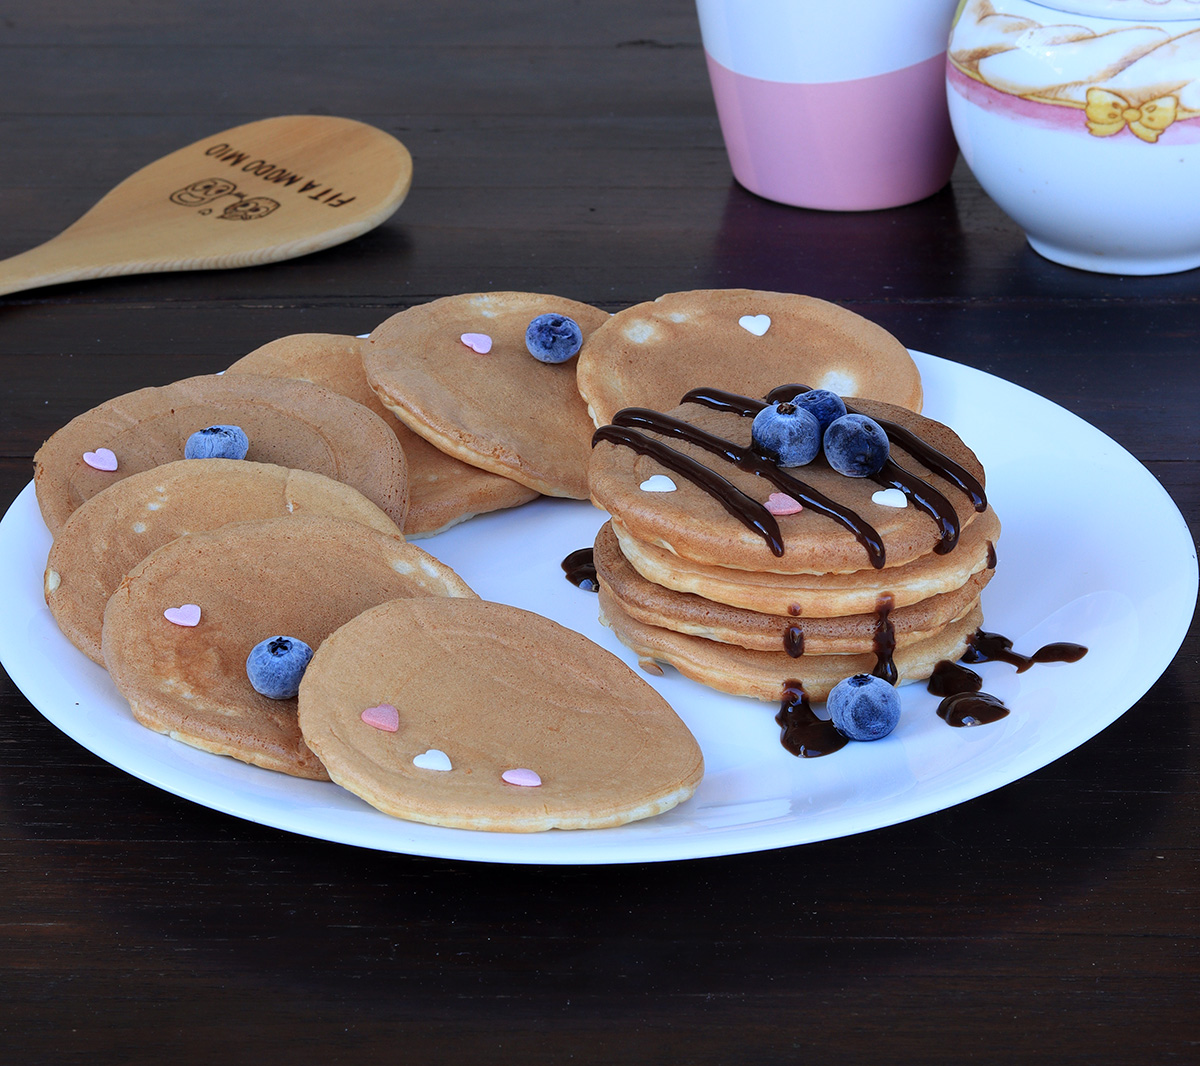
856, 446
275, 666
553, 338
786, 433
824, 405
864, 707
217, 442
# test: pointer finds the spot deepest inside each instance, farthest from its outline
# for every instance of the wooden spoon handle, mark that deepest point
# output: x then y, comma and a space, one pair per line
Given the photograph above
53, 263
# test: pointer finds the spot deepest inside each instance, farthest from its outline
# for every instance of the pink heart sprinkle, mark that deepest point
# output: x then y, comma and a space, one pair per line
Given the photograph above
782, 503
187, 615
383, 716
477, 342
101, 459
521, 776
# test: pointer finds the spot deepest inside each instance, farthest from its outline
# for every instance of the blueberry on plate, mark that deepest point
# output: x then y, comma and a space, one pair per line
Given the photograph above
856, 446
864, 707
786, 433
553, 338
217, 442
824, 405
276, 665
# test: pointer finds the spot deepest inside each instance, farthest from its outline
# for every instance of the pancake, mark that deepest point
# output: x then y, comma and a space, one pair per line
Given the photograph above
300, 577
695, 569
290, 423
693, 523
503, 411
492, 688
764, 675
650, 354
819, 595
846, 634
442, 490
108, 535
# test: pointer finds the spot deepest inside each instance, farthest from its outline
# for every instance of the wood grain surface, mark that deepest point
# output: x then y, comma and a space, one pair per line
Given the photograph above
570, 148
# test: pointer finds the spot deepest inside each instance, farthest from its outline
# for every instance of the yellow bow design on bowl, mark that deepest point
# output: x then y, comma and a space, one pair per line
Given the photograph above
1108, 113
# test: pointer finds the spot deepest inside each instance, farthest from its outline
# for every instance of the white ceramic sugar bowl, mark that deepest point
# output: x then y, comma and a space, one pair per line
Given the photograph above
1081, 119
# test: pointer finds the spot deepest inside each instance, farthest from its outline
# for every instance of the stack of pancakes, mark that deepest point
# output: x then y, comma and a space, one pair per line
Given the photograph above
705, 577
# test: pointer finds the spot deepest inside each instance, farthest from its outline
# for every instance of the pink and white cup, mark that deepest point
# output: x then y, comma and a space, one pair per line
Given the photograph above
832, 104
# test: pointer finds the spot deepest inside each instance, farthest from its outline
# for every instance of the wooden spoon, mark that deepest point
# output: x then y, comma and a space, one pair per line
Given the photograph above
257, 193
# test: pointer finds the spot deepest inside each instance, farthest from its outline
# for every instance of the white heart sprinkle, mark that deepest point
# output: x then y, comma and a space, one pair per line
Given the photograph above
658, 483
433, 759
890, 498
756, 324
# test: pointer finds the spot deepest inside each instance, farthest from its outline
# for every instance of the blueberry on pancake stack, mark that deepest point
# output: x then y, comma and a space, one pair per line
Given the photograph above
752, 560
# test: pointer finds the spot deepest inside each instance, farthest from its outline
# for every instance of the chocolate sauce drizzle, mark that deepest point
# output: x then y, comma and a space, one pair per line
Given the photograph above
748, 511
793, 641
919, 449
923, 495
884, 640
801, 731
580, 568
632, 420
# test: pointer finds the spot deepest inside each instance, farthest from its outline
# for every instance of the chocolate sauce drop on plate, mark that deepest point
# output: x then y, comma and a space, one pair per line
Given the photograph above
971, 708
801, 731
952, 679
580, 568
983, 647
964, 704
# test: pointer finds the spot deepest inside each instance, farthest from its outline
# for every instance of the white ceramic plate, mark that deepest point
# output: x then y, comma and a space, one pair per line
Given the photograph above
1072, 567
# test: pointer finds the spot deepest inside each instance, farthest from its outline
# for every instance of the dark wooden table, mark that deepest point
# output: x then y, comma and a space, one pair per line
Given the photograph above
569, 148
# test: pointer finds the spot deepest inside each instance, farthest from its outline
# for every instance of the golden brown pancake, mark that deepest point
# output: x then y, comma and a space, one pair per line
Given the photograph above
290, 423
108, 535
694, 524
849, 634
650, 354
763, 675
502, 410
819, 595
486, 689
442, 490
300, 577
